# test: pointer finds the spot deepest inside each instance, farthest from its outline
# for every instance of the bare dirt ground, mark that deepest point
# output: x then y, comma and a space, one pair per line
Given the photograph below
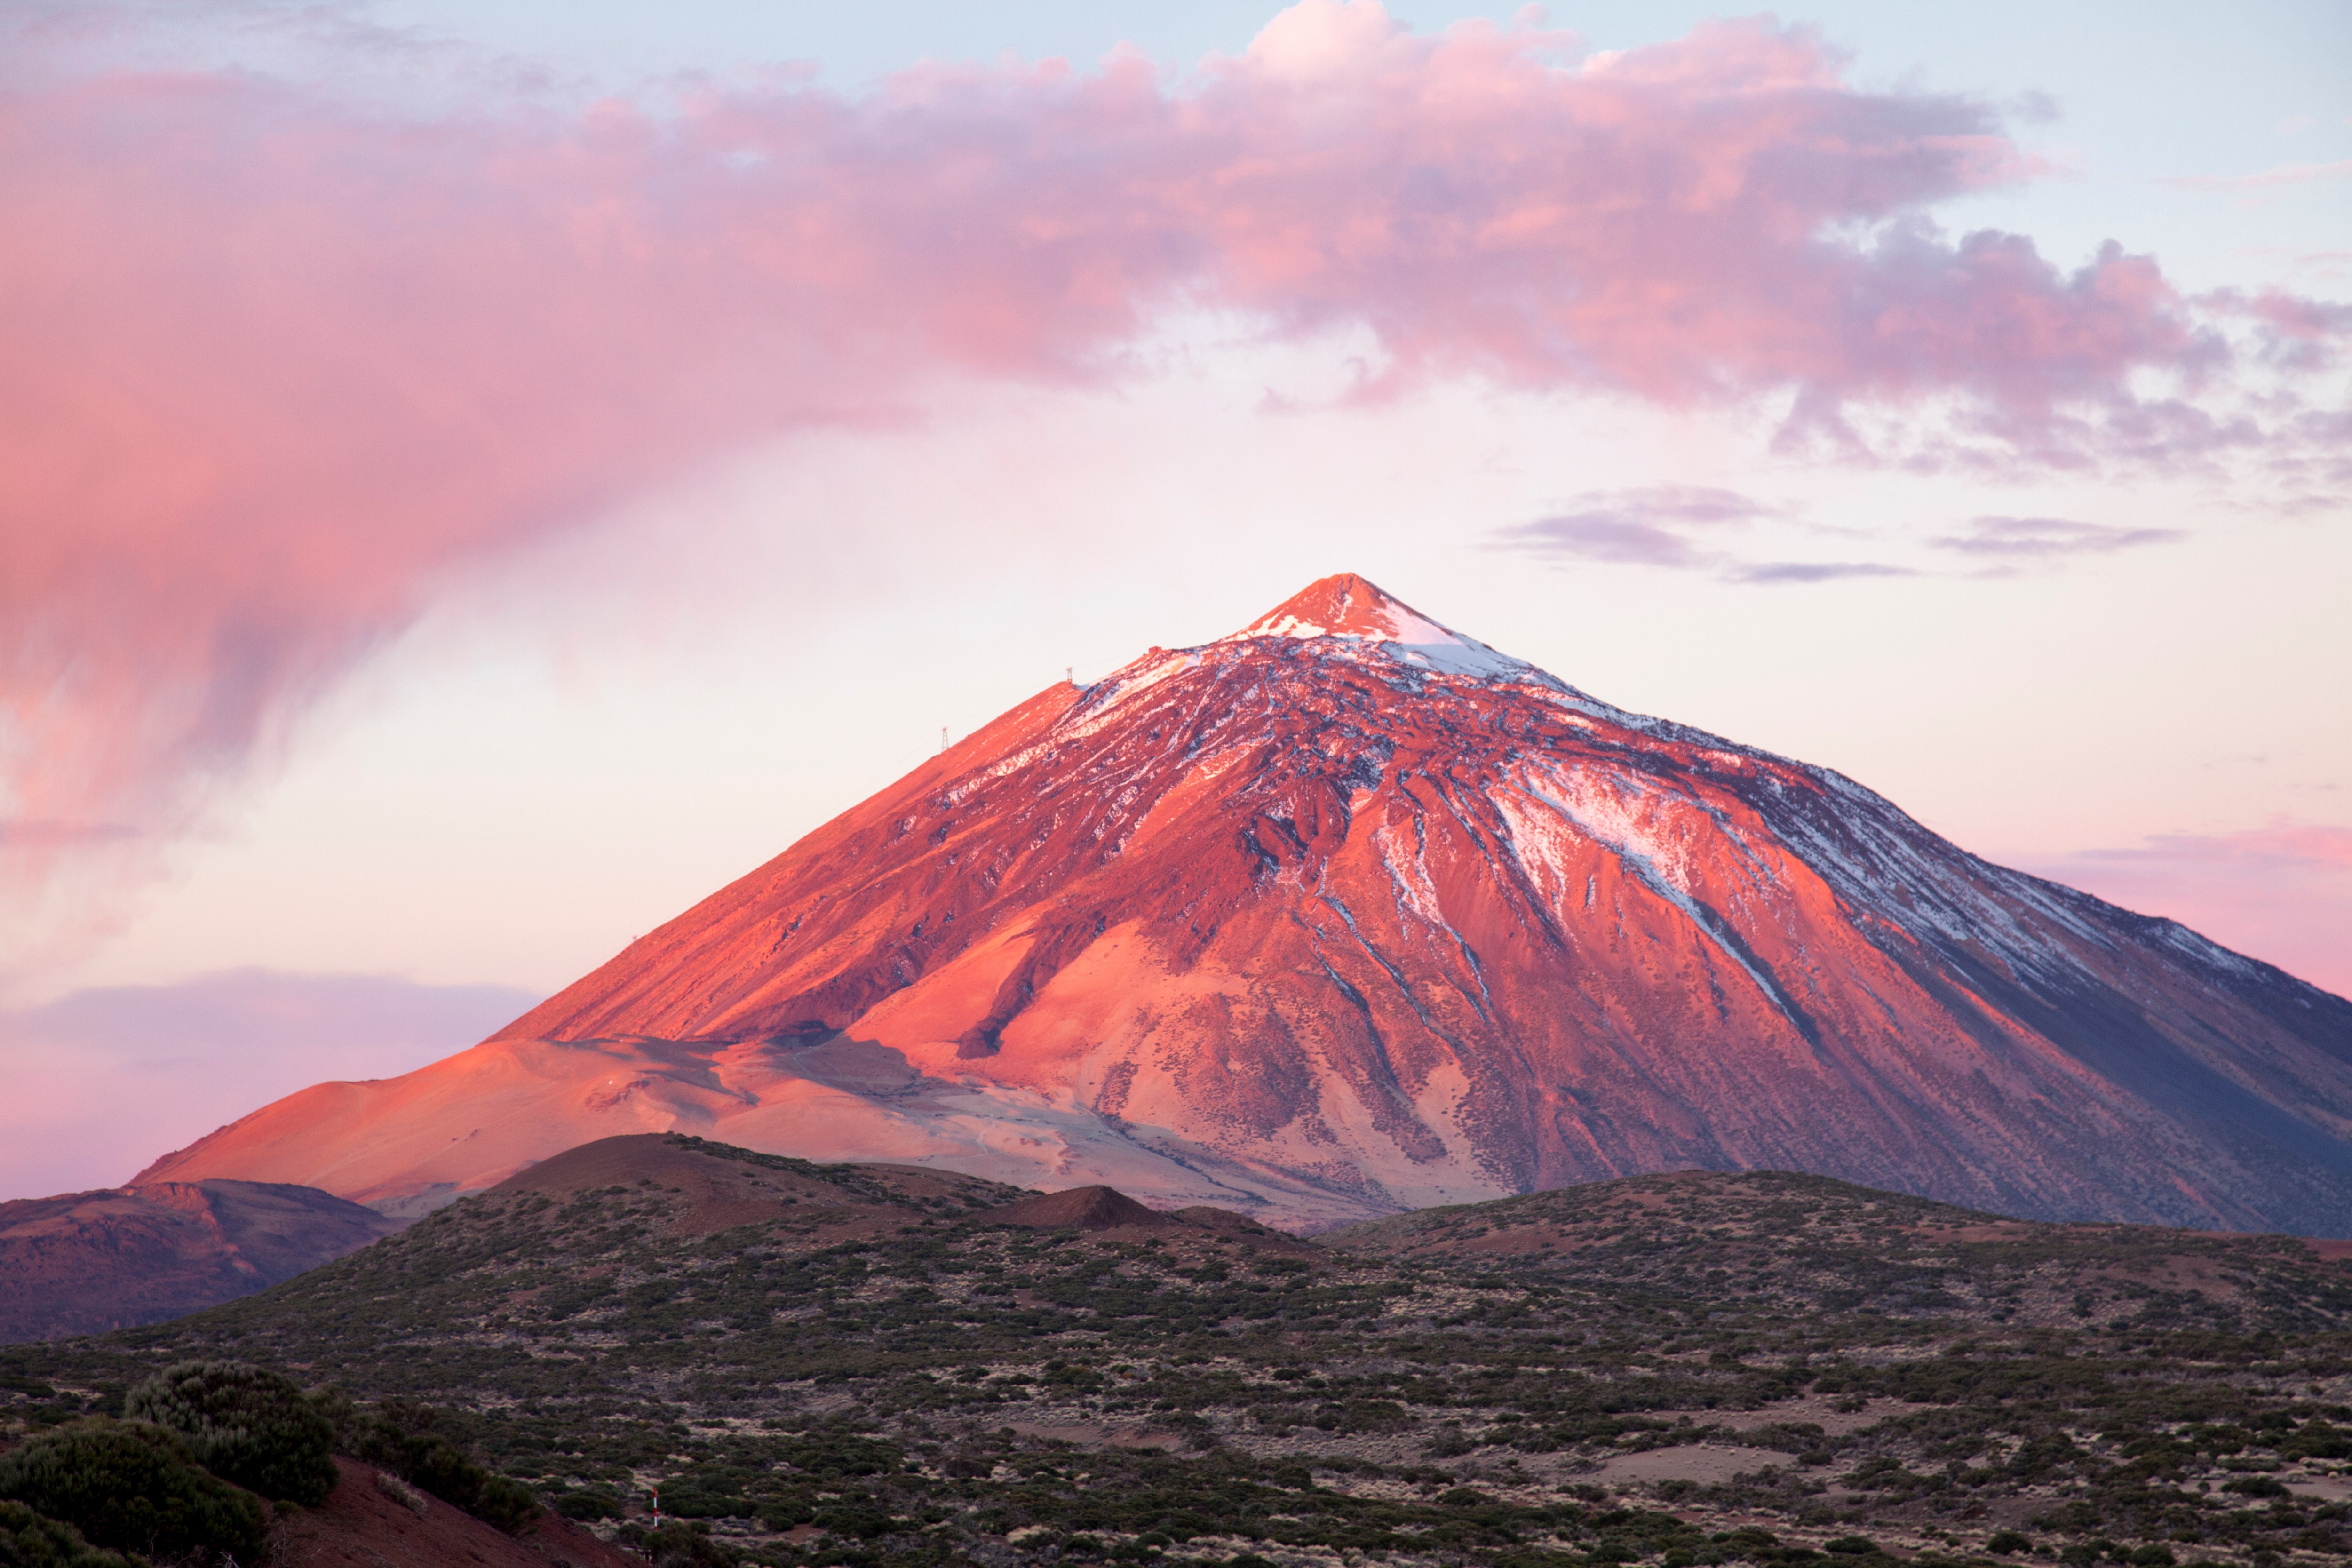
1822, 1410
1090, 1433
1709, 1463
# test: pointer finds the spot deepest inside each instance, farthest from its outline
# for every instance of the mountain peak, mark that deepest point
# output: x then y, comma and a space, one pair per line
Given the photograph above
1357, 610
1345, 605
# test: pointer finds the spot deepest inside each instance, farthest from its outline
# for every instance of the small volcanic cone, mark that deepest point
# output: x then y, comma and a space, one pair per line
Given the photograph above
1081, 1208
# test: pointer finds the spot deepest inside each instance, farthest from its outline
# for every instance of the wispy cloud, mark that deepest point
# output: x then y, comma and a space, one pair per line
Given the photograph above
1772, 571
1682, 530
1653, 526
2284, 174
1637, 527
1601, 537
2020, 539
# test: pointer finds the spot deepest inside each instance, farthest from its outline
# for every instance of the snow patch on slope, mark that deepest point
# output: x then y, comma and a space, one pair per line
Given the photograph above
1463, 656
1413, 889
1657, 864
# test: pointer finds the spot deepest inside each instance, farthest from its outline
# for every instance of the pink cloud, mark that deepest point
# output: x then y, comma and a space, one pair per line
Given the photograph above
2301, 334
273, 365
2281, 893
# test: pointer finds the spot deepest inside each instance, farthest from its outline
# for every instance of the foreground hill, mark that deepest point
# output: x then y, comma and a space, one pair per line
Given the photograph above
1349, 913
1692, 1368
368, 1523
85, 1262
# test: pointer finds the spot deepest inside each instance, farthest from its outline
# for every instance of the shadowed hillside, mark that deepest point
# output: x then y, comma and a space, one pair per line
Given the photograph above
86, 1262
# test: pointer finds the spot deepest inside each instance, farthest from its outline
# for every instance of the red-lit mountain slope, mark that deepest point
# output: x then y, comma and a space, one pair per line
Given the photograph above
1346, 913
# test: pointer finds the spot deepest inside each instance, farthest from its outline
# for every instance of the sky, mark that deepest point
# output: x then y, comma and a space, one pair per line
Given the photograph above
476, 478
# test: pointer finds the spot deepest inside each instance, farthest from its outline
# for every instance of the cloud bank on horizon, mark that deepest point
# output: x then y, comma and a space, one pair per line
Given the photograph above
277, 365
103, 1081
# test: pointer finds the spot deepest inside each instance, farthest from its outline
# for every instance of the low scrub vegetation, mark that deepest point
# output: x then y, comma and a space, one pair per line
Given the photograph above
247, 1425
132, 1485
1672, 1372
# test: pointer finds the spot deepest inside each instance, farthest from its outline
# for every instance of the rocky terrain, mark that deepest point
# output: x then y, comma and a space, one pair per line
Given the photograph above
85, 1262
1347, 914
813, 1366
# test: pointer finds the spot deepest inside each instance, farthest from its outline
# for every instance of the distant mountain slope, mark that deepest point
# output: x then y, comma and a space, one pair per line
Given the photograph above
83, 1263
1349, 913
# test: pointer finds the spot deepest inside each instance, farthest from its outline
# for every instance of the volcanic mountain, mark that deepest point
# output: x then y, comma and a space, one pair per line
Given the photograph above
1348, 913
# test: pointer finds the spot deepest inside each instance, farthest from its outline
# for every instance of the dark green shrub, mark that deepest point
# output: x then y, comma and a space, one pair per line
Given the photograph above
2256, 1486
131, 1484
245, 1423
2003, 1541
504, 1502
429, 1461
854, 1519
28, 1540
705, 1499
785, 1515
399, 1436
2318, 1441
677, 1545
589, 1505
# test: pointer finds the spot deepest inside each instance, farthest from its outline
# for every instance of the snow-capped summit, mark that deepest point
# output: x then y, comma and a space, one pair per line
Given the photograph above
1303, 920
1354, 609
1345, 605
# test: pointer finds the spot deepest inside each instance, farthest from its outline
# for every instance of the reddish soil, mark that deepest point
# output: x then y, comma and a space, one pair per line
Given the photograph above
367, 1525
